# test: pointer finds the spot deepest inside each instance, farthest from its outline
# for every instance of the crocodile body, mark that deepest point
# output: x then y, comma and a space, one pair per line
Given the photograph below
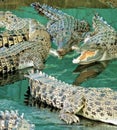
26, 47
11, 120
93, 103
65, 30
100, 44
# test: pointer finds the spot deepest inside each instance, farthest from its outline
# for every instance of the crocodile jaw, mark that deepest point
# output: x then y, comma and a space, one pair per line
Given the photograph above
87, 57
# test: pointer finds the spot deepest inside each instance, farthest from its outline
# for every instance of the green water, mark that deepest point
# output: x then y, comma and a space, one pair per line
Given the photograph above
12, 95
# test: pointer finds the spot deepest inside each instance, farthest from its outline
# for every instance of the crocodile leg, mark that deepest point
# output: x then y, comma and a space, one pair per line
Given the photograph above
69, 118
71, 108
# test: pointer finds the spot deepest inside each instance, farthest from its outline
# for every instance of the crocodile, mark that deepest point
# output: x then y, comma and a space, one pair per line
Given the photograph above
11, 120
98, 45
13, 29
20, 50
99, 104
16, 29
10, 21
64, 29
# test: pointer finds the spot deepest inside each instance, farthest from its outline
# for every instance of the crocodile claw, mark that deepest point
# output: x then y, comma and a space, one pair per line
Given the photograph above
69, 118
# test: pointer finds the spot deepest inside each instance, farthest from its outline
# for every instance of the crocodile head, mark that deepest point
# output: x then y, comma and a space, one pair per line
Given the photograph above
65, 46
98, 45
72, 38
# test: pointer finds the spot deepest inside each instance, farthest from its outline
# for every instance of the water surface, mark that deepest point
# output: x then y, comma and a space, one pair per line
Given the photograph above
12, 94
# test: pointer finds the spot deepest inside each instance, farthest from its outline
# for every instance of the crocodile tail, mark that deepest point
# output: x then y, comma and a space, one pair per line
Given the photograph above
12, 120
48, 11
100, 24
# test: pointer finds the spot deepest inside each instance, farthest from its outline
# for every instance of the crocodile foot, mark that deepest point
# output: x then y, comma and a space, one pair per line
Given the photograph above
69, 118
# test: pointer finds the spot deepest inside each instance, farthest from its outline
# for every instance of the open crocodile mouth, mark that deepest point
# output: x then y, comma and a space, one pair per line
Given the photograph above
85, 57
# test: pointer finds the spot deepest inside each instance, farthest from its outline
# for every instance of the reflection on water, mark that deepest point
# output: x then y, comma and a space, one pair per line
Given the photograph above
84, 73
89, 71
13, 76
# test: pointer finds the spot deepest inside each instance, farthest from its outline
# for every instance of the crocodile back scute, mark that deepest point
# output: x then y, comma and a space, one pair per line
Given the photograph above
10, 120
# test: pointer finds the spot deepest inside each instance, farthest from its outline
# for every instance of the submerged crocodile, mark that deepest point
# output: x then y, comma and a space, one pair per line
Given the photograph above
65, 30
98, 104
26, 47
99, 45
11, 120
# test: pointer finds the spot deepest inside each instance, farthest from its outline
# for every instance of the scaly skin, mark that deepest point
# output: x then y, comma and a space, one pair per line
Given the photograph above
7, 39
25, 54
26, 47
99, 45
10, 120
10, 21
65, 30
93, 103
15, 30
